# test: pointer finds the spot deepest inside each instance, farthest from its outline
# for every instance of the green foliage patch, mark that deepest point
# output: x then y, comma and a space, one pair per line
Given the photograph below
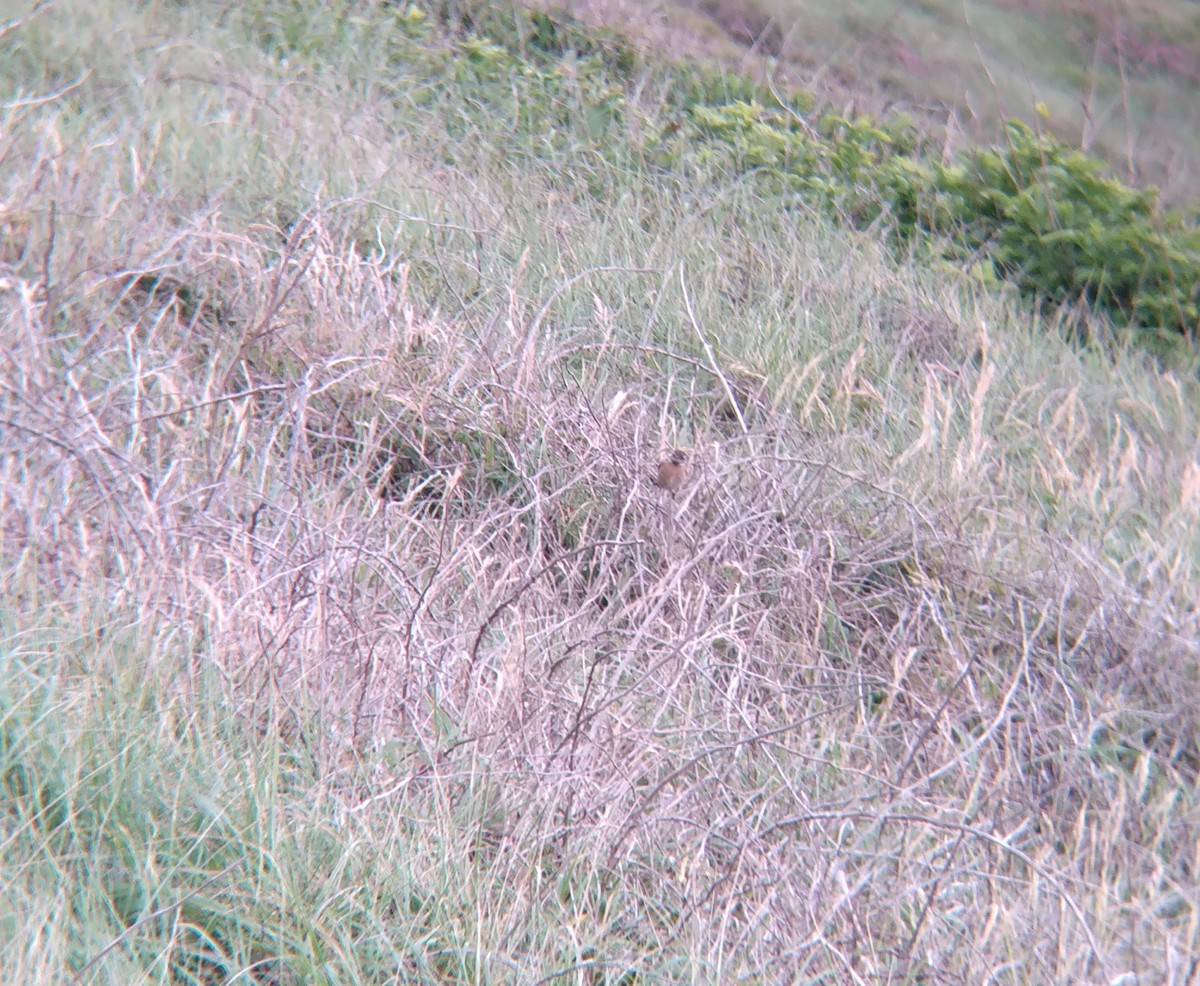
1042, 216
1057, 227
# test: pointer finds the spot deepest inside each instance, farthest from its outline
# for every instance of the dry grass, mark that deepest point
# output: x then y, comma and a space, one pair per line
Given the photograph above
900, 687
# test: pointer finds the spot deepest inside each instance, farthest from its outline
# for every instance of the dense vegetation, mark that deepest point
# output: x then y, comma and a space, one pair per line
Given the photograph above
343, 636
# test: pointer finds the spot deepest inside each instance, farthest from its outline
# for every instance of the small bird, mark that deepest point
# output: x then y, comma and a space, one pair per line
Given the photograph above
672, 472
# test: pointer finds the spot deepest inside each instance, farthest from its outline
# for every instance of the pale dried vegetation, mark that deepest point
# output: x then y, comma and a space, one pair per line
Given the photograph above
871, 700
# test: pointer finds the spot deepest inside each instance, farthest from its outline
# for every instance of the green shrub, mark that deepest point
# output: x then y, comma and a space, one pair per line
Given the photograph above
1055, 226
840, 163
1043, 215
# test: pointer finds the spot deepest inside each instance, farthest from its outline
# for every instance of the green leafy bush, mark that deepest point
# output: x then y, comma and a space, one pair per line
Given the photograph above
1057, 227
1045, 216
840, 163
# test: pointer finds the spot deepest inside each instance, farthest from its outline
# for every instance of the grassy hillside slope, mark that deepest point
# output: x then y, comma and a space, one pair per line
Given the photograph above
344, 638
1120, 79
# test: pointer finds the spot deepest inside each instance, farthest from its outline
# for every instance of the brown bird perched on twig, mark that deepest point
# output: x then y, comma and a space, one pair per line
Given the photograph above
672, 472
